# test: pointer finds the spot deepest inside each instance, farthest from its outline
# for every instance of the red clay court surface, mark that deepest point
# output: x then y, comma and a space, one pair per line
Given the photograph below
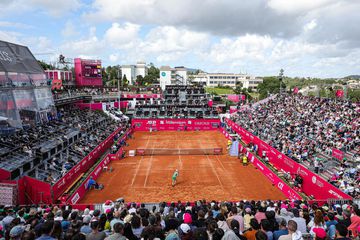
210, 177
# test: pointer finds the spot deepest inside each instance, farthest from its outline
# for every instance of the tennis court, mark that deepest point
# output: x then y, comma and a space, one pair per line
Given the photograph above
210, 177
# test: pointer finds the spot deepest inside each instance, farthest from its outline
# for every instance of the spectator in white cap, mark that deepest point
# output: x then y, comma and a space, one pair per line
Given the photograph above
85, 228
16, 232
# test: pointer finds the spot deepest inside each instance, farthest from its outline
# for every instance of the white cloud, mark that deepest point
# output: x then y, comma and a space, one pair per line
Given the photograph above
90, 46
51, 7
69, 30
241, 49
56, 8
14, 25
114, 57
122, 36
297, 6
10, 36
310, 25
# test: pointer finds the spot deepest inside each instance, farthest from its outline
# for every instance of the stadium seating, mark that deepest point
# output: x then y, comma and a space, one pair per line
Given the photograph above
308, 129
178, 102
56, 146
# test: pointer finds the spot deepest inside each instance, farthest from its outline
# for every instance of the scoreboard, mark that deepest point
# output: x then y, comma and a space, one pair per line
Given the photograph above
91, 70
88, 72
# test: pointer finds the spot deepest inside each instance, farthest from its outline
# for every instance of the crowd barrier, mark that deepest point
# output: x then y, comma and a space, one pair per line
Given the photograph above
4, 174
175, 124
313, 185
63, 183
273, 178
33, 191
290, 193
81, 190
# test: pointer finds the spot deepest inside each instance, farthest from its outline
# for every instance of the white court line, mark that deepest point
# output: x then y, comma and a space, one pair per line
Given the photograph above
148, 170
218, 160
137, 169
213, 169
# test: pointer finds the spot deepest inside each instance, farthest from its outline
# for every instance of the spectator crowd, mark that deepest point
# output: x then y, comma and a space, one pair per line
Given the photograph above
307, 129
271, 220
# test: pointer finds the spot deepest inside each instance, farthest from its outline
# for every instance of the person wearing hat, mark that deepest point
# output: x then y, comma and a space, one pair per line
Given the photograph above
85, 228
247, 218
186, 233
174, 176
16, 232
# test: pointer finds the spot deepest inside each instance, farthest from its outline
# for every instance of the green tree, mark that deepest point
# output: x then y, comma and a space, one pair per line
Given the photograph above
140, 80
45, 66
124, 80
269, 85
238, 88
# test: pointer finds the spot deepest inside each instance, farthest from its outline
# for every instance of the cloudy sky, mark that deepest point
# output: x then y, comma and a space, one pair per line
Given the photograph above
316, 38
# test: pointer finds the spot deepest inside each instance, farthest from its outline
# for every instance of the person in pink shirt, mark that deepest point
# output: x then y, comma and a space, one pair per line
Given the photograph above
260, 215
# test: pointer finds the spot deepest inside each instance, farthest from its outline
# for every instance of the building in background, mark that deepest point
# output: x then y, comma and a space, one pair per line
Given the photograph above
226, 79
59, 78
173, 76
132, 71
88, 73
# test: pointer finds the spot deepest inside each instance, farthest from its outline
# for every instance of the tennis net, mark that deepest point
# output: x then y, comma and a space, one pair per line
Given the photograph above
181, 151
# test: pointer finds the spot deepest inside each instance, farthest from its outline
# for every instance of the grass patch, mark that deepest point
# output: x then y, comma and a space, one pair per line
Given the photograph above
219, 91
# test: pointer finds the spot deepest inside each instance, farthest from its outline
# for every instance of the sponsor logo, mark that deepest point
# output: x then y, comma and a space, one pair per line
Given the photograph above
289, 162
313, 179
175, 122
259, 166
61, 183
335, 193
77, 169
317, 182
4, 56
151, 122
97, 171
280, 185
75, 198
302, 172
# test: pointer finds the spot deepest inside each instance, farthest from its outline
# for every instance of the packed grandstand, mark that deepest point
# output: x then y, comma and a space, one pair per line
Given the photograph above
55, 144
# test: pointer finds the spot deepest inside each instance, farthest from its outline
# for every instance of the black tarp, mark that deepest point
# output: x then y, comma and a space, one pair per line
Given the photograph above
18, 59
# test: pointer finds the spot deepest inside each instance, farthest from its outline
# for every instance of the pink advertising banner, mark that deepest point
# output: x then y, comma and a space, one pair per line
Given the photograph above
175, 124
312, 185
131, 95
274, 179
338, 154
80, 192
233, 97
63, 183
